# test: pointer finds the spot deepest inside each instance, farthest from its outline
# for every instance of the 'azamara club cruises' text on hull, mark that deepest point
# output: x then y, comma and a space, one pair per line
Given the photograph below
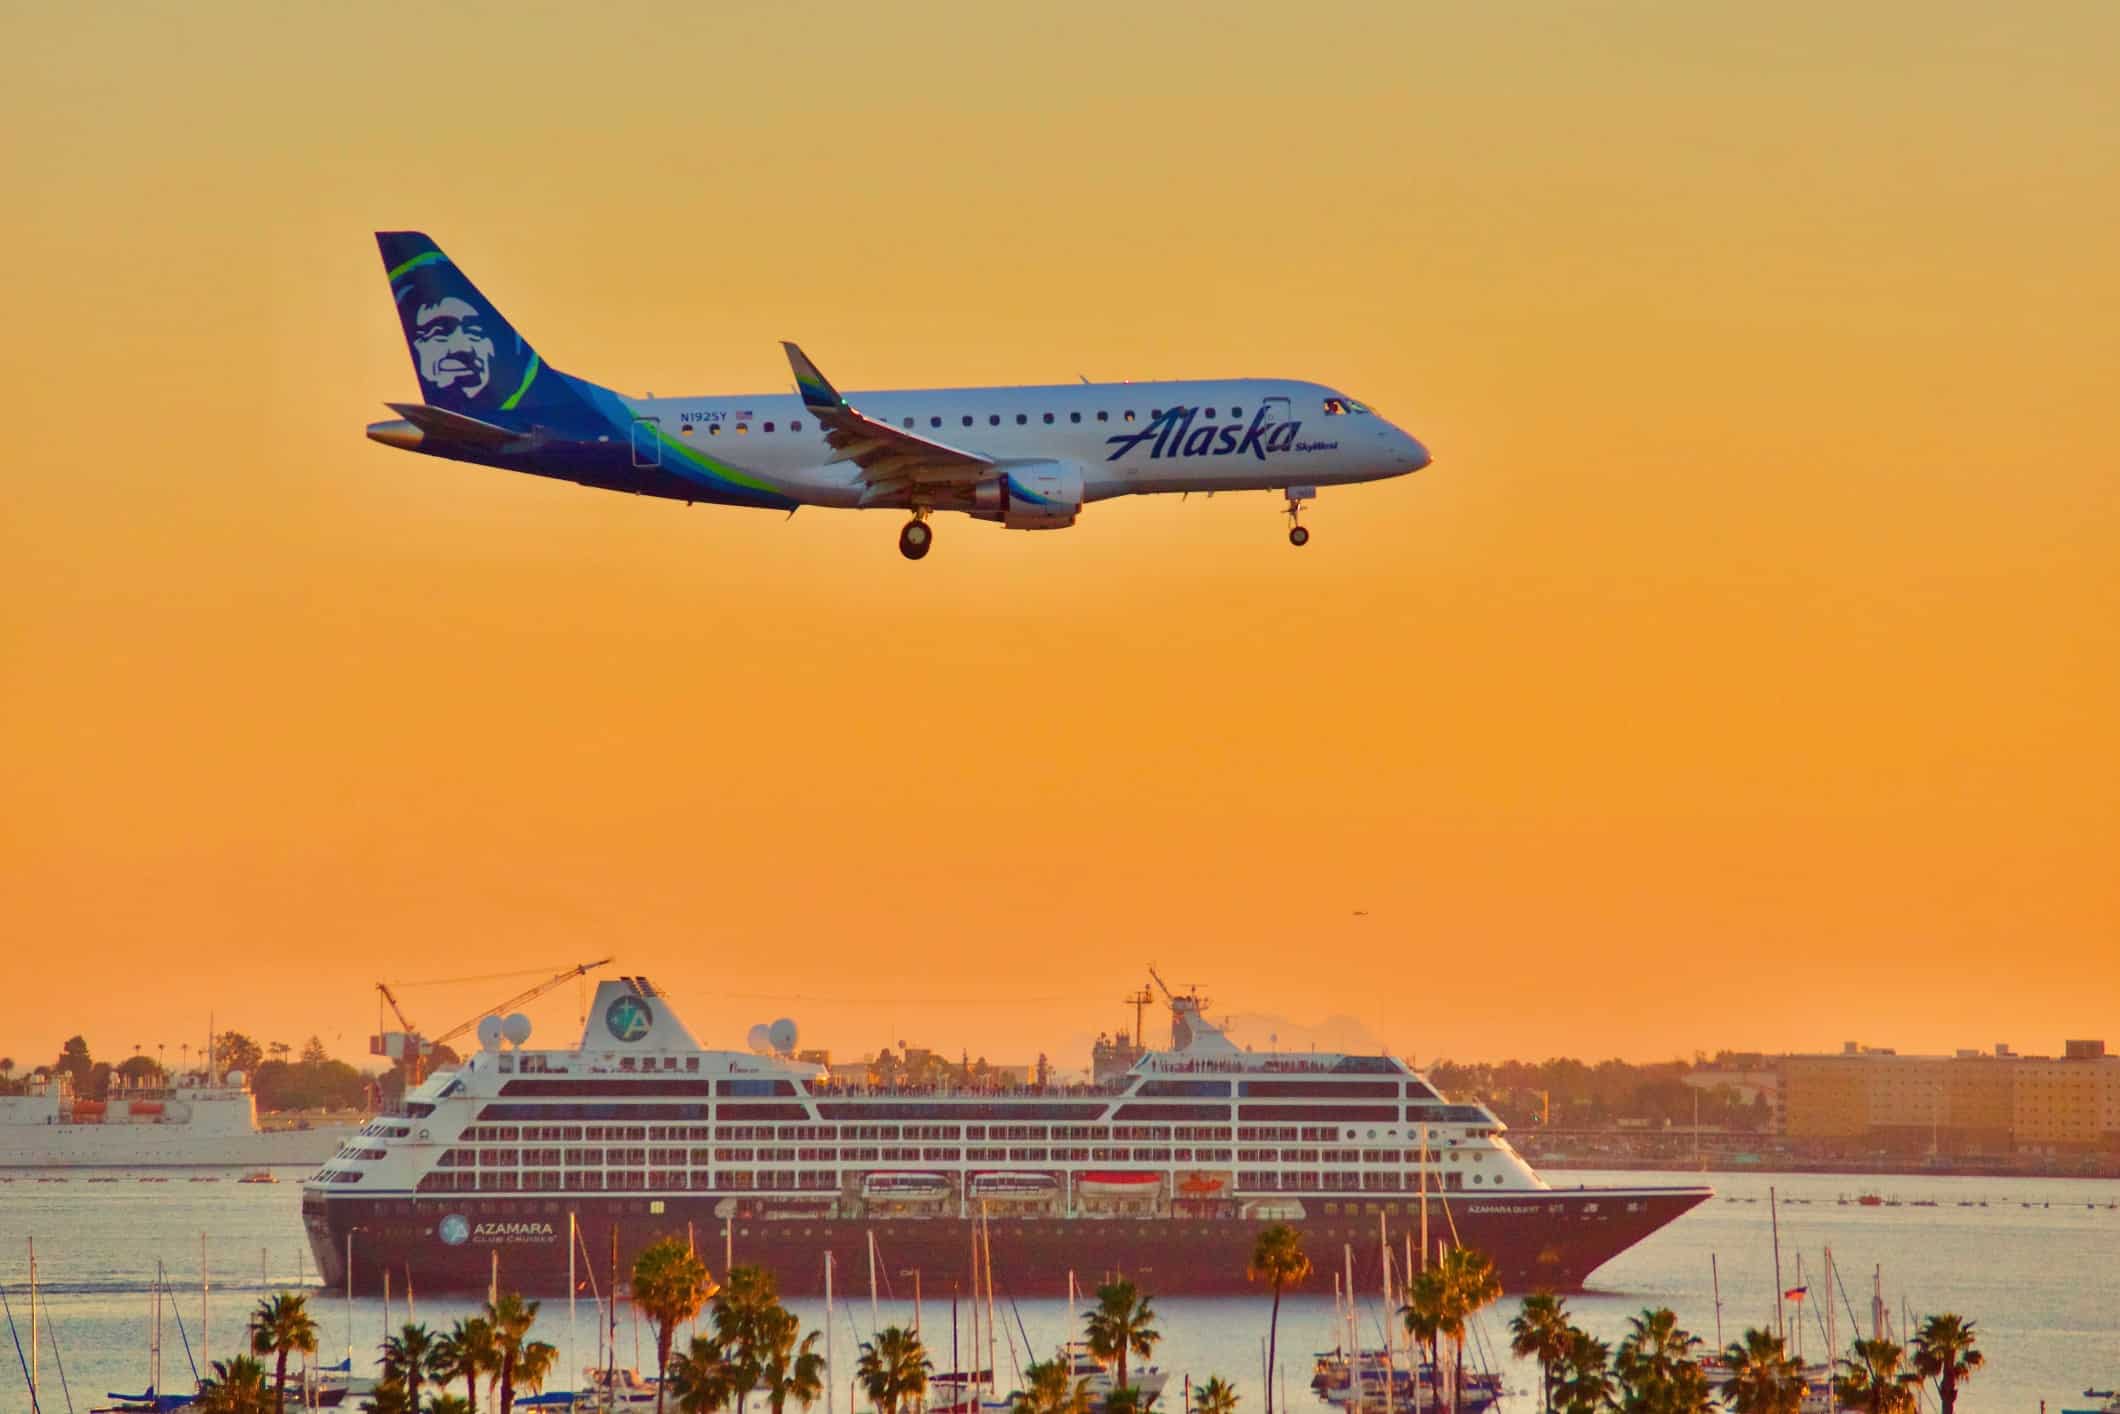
537, 1157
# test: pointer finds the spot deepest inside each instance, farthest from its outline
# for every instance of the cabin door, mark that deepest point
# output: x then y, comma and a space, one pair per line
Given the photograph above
647, 441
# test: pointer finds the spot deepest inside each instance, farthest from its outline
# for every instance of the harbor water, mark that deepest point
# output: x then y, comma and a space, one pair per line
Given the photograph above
2029, 1260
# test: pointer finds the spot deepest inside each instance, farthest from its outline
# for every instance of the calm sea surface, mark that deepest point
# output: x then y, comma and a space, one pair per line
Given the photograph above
2035, 1262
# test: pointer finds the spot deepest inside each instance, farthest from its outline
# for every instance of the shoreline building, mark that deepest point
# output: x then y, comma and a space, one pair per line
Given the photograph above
1973, 1102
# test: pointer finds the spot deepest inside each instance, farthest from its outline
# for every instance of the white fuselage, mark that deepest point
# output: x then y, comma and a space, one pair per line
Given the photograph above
1219, 435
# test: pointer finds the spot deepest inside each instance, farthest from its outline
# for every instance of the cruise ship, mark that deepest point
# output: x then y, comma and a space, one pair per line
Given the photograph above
531, 1158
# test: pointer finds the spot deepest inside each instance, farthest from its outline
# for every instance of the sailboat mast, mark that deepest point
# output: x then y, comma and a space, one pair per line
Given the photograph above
1774, 1217
828, 1376
993, 1368
33, 1322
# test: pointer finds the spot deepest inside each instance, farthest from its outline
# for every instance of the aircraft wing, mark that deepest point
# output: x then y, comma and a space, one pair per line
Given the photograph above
889, 458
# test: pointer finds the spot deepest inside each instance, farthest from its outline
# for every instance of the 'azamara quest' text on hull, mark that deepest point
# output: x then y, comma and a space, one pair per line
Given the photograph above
1167, 1175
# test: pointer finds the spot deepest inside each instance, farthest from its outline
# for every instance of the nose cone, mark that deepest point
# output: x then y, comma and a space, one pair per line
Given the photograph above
1416, 455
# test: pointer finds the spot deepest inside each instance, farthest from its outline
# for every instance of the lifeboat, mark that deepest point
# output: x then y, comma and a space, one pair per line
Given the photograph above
1118, 1185
147, 1107
905, 1185
1014, 1185
1201, 1185
90, 1110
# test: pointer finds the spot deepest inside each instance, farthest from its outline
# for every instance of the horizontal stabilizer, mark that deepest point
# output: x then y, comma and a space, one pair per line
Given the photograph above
442, 425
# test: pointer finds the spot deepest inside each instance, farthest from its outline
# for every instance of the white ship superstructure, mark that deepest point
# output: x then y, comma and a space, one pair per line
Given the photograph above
198, 1122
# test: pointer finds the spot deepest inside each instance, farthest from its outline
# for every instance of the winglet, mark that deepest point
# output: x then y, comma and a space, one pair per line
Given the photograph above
818, 394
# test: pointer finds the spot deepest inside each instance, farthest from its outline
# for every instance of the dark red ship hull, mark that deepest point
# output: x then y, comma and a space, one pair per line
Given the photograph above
1549, 1240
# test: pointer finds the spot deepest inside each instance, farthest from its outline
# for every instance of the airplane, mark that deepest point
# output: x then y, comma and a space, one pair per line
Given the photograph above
1029, 458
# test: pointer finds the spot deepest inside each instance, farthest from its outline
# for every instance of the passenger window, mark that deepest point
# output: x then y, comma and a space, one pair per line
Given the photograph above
1210, 414
1103, 416
743, 428
1236, 412
1155, 414
934, 422
713, 429
909, 424
993, 419
1074, 417
768, 427
686, 429
967, 419
1022, 418
794, 427
1129, 414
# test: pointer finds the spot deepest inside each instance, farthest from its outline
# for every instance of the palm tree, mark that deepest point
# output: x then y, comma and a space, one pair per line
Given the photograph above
388, 1398
1944, 1352
522, 1359
893, 1369
699, 1376
1764, 1377
1539, 1331
408, 1357
1658, 1372
1277, 1258
670, 1284
1469, 1285
1047, 1389
237, 1387
279, 1326
742, 1310
464, 1352
1126, 1400
446, 1403
1423, 1313
1870, 1379
1216, 1396
1119, 1325
792, 1368
1585, 1385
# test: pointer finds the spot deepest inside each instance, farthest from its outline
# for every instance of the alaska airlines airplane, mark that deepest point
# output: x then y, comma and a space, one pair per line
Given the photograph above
1029, 458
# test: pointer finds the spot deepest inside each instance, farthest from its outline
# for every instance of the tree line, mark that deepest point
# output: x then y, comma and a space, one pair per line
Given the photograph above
279, 1077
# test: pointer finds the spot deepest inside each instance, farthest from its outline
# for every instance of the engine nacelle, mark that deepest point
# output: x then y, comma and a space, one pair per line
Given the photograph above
1031, 496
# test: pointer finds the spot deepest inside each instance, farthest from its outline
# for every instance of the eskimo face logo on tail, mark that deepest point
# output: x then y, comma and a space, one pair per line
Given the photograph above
1175, 434
454, 348
628, 1019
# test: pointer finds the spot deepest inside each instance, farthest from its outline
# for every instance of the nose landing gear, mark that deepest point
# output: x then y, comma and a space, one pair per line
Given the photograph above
1298, 535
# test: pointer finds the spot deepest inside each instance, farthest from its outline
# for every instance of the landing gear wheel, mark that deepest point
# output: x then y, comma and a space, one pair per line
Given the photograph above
1299, 535
915, 540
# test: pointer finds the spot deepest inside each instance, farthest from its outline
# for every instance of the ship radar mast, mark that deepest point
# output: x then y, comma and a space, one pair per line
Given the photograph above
1190, 1030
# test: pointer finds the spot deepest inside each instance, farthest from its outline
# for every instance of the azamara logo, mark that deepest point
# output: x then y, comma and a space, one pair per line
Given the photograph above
1174, 435
513, 1232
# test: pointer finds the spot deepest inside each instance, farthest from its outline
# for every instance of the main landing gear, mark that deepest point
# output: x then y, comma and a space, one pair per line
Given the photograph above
1298, 535
915, 540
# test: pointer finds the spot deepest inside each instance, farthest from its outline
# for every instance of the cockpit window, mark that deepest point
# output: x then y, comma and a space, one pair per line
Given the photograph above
1334, 407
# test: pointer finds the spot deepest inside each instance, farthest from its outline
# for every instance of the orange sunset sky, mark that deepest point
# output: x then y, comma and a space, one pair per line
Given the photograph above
1744, 672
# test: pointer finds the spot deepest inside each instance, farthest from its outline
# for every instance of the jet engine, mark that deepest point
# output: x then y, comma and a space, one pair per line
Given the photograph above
1031, 496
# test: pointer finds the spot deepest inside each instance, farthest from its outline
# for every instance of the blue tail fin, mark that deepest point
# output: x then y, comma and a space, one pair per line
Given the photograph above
469, 359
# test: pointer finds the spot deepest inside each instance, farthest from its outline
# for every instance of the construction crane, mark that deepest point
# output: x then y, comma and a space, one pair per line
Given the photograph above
410, 1049
404, 1045
580, 969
